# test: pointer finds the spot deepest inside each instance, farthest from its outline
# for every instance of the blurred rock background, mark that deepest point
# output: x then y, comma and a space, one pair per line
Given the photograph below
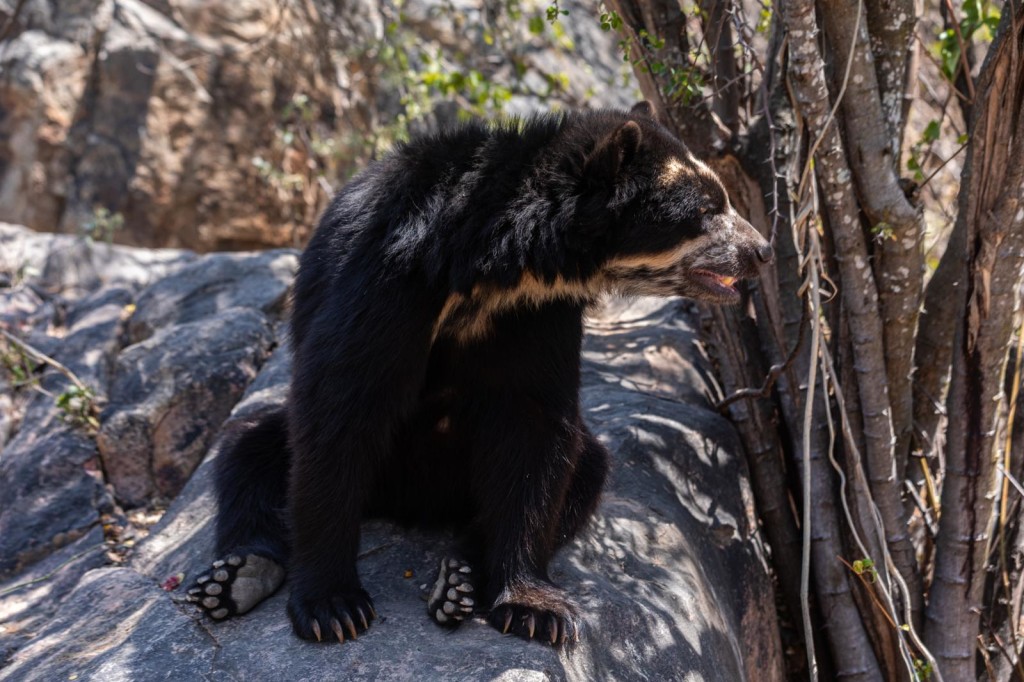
225, 124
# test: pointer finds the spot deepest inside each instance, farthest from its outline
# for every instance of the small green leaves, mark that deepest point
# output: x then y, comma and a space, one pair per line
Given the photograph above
19, 364
102, 225
865, 568
980, 20
610, 21
77, 405
553, 12
918, 152
881, 232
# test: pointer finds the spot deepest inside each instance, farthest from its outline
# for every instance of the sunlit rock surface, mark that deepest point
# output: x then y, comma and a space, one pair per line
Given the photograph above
671, 573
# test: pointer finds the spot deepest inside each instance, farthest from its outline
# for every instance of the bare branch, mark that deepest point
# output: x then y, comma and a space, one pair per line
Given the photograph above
46, 359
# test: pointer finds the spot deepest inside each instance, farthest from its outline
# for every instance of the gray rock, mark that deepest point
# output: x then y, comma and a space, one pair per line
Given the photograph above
23, 309
29, 600
102, 642
213, 284
51, 488
95, 328
74, 266
169, 396
672, 573
51, 470
183, 539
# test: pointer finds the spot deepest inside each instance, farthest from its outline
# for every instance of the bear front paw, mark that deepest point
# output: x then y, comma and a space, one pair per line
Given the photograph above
538, 612
345, 615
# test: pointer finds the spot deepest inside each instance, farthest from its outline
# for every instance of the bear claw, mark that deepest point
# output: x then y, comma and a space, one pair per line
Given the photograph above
312, 617
450, 602
544, 620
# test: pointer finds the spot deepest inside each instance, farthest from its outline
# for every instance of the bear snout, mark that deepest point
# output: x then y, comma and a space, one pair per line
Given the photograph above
758, 249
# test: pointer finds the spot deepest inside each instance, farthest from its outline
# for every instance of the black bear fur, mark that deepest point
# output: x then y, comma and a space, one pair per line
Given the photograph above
436, 328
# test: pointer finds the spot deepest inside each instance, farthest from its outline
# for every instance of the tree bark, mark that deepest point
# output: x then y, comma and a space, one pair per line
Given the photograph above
896, 226
994, 261
859, 289
891, 25
695, 124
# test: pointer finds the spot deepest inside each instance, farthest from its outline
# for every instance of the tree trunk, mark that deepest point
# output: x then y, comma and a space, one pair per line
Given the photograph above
994, 258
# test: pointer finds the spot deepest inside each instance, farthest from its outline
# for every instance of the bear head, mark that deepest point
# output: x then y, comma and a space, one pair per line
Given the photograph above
672, 230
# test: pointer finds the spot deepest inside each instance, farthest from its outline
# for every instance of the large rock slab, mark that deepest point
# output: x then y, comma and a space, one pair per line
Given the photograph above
72, 267
116, 626
213, 284
672, 573
51, 472
71, 299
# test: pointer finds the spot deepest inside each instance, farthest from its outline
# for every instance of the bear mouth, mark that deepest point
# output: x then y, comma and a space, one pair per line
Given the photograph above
715, 286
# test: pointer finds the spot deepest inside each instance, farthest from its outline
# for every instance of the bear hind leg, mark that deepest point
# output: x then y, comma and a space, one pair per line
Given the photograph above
251, 471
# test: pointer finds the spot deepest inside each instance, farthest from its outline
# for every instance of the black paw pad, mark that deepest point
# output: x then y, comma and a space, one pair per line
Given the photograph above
452, 598
235, 584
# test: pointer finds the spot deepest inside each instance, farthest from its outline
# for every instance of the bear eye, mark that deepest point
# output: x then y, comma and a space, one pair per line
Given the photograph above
707, 205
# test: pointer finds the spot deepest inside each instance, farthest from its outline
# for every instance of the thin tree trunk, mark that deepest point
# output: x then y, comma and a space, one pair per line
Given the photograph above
859, 290
896, 226
718, 30
934, 351
891, 24
994, 262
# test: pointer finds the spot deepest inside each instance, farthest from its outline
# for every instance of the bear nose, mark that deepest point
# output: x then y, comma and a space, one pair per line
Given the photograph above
765, 252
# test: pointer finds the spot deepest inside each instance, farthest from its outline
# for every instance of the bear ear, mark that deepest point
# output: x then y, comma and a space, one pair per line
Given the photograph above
614, 151
644, 108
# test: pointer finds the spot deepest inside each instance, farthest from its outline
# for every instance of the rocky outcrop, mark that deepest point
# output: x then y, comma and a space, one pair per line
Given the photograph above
224, 123
672, 573
197, 339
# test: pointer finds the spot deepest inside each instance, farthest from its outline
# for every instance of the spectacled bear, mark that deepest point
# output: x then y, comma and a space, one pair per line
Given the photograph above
436, 325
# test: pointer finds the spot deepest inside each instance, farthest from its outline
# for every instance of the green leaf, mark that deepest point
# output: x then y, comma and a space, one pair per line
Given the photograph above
931, 131
610, 21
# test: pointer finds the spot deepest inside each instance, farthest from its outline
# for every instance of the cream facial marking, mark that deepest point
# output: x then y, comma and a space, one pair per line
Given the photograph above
702, 168
671, 172
663, 259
